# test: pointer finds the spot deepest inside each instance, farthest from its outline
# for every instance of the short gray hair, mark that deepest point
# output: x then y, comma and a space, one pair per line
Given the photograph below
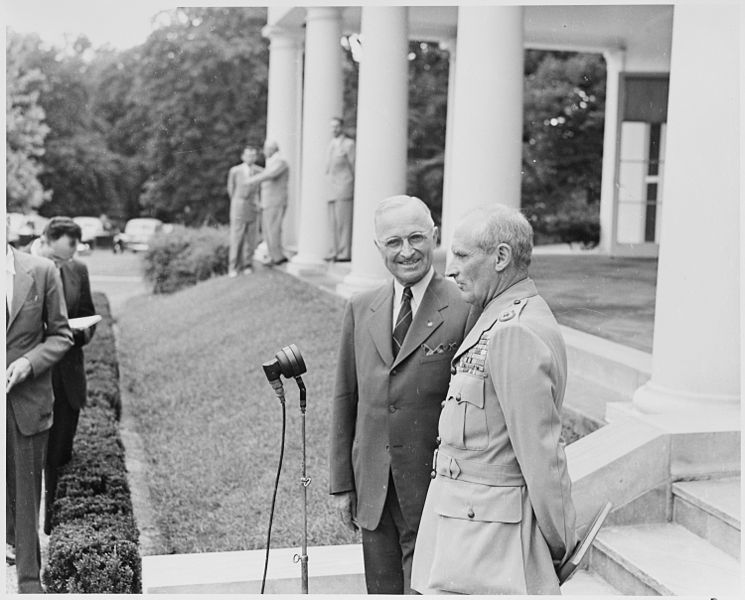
399, 202
500, 224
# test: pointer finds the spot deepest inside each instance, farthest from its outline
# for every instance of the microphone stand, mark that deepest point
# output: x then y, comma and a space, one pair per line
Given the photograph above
305, 481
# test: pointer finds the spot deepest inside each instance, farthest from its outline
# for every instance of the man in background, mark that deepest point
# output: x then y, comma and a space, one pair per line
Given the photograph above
273, 180
37, 336
58, 243
340, 178
499, 517
245, 207
392, 375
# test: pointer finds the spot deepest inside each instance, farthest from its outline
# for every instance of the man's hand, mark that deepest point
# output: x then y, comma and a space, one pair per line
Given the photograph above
16, 372
346, 505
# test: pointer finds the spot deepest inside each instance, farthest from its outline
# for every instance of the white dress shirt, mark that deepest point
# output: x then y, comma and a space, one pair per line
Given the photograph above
417, 292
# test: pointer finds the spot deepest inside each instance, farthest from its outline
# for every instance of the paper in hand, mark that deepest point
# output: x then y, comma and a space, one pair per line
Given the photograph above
84, 322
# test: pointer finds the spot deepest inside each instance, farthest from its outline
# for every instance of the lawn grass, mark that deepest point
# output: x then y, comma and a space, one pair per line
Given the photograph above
613, 298
192, 379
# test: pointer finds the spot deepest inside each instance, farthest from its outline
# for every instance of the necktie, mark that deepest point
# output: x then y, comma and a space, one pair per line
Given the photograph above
403, 322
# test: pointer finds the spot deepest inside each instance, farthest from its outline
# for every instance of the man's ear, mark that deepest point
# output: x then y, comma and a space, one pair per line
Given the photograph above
502, 257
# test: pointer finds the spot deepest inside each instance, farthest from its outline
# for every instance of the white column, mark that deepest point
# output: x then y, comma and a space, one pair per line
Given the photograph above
614, 64
322, 100
283, 112
488, 105
381, 134
696, 358
447, 225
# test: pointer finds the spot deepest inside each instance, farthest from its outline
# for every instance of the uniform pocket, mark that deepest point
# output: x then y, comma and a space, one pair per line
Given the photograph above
478, 548
463, 422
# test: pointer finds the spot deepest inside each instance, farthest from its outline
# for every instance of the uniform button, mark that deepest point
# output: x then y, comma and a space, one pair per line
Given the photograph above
471, 514
453, 370
391, 408
518, 301
433, 474
442, 404
438, 440
457, 396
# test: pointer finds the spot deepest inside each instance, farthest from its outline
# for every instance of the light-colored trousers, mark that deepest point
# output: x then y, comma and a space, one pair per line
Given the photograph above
244, 237
340, 225
271, 228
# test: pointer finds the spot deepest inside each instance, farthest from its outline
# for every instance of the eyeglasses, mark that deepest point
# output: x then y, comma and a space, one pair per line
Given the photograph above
394, 244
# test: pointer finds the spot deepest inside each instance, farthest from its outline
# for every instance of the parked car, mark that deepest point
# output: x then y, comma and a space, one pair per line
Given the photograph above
137, 234
94, 231
24, 229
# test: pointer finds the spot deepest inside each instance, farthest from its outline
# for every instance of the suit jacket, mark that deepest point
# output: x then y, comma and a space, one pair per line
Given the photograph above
37, 329
275, 179
245, 200
340, 169
69, 372
499, 515
385, 411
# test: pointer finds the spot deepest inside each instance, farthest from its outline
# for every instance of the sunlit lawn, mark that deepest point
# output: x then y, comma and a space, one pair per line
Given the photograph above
191, 371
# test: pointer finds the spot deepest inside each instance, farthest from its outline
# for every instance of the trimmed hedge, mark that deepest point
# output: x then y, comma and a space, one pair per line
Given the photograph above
93, 547
186, 256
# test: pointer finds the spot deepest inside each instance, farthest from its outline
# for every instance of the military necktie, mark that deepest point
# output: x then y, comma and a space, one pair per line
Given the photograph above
403, 322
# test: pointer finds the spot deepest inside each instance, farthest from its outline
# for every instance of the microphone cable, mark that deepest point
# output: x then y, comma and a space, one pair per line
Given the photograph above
274, 494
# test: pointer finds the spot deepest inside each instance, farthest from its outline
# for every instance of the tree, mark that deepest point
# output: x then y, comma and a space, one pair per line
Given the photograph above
563, 143
202, 82
25, 130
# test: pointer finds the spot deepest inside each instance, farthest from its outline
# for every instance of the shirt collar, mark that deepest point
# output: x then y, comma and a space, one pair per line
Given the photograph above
417, 290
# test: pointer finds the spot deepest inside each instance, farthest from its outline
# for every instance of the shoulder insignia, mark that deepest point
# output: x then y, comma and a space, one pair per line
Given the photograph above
507, 315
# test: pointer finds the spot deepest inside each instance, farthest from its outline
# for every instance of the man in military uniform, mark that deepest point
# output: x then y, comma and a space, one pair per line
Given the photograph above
499, 517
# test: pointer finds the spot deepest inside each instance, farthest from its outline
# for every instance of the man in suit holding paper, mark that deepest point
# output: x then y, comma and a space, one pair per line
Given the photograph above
499, 517
37, 335
58, 243
392, 375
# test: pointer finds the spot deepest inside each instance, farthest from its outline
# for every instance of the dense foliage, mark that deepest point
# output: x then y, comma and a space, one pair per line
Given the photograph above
185, 256
153, 130
93, 547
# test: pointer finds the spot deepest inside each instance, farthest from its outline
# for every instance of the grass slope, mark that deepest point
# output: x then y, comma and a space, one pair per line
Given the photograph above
192, 378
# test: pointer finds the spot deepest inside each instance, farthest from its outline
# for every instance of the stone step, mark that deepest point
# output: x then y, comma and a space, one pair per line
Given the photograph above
710, 508
609, 364
587, 583
331, 569
589, 398
663, 559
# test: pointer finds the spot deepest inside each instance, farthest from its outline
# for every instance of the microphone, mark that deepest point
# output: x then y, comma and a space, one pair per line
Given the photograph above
288, 362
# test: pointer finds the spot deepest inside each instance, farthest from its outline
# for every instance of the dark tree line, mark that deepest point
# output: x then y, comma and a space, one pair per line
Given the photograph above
153, 130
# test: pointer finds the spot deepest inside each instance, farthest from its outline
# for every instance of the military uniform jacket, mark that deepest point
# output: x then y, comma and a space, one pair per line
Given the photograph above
499, 515
385, 411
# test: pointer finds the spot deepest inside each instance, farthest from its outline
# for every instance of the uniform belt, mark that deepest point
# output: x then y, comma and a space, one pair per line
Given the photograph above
476, 472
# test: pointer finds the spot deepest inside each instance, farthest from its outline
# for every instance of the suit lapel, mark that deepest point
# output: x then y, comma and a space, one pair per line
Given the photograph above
22, 283
380, 326
426, 321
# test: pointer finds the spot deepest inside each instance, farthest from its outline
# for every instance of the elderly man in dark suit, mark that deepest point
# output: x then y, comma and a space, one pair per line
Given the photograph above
392, 375
58, 243
37, 336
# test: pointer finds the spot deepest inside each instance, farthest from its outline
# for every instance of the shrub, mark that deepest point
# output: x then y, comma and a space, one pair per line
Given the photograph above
95, 554
93, 547
572, 220
186, 256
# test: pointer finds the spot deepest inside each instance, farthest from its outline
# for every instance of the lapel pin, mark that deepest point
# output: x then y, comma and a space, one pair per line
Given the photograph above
429, 323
